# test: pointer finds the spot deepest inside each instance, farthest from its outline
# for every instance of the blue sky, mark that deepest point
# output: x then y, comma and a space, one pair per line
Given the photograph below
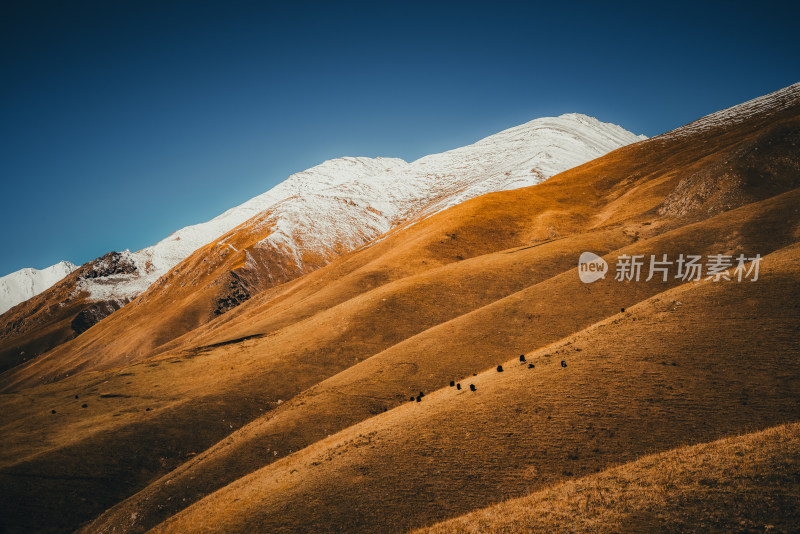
123, 121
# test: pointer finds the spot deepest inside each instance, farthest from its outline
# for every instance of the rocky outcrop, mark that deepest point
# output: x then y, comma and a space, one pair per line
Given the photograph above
92, 315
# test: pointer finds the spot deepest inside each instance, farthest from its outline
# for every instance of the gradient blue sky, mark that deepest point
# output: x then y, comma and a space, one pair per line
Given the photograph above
122, 121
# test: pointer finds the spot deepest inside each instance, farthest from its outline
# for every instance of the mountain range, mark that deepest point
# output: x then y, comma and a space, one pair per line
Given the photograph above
411, 347
294, 228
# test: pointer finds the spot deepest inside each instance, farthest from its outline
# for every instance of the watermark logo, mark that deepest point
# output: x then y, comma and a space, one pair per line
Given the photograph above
591, 267
687, 268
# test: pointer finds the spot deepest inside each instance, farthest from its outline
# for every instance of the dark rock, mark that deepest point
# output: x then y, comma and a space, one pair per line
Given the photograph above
88, 317
108, 265
236, 292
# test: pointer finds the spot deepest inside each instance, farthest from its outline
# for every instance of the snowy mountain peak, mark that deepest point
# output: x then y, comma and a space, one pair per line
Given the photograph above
26, 283
345, 202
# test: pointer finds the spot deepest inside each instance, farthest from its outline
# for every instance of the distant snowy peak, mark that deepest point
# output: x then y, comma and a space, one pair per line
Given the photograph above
342, 203
26, 283
770, 103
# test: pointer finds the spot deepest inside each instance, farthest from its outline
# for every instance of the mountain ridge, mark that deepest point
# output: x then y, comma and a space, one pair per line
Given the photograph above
308, 220
284, 412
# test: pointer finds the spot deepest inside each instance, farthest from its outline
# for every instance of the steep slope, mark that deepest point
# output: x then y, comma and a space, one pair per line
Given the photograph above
343, 204
452, 350
153, 262
38, 326
650, 379
741, 483
333, 348
26, 283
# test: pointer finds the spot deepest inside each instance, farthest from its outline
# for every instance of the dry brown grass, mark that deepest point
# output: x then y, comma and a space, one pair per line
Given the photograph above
746, 483
620, 187
648, 380
342, 344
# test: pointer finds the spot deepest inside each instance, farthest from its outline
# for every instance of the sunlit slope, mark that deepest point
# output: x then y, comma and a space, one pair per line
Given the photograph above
512, 291
622, 185
453, 350
315, 216
742, 483
691, 364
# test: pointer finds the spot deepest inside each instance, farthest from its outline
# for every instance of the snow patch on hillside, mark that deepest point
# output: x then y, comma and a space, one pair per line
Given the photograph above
771, 103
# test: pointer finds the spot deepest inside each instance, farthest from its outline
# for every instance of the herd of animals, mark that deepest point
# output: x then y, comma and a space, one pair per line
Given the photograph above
472, 387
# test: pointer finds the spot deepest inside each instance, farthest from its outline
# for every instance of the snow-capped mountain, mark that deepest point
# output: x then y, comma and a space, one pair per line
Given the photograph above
362, 198
153, 262
296, 227
21, 285
344, 203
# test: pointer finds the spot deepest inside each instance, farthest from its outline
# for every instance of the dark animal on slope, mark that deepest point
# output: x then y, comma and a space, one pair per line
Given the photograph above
499, 368
563, 363
452, 383
531, 366
472, 387
522, 357
458, 386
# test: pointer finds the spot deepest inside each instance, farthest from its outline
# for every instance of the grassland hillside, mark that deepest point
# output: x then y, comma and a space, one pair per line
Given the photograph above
294, 228
291, 412
745, 483
680, 367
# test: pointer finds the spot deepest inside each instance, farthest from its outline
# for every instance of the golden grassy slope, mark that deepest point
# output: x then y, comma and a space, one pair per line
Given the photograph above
453, 349
441, 316
622, 185
651, 379
746, 483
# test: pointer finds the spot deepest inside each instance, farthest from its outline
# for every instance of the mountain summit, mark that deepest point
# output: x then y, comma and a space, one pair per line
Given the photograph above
365, 197
222, 399
296, 227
